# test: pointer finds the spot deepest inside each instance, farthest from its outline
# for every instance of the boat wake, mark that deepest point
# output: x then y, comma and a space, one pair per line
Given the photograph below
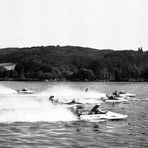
37, 107
5, 90
23, 109
65, 94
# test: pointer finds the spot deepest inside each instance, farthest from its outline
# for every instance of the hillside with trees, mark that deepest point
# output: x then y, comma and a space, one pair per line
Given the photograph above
72, 63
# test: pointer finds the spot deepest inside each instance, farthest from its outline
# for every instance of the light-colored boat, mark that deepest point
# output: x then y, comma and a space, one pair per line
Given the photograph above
108, 116
116, 101
126, 94
25, 91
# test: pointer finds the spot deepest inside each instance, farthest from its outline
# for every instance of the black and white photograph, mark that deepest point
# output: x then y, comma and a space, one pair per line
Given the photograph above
73, 73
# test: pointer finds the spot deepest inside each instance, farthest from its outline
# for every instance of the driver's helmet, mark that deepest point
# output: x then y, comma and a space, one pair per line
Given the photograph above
24, 89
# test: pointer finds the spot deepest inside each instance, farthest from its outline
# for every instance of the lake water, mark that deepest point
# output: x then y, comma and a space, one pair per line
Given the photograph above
28, 121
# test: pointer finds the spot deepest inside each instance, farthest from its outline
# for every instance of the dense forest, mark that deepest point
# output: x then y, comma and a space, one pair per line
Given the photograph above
72, 63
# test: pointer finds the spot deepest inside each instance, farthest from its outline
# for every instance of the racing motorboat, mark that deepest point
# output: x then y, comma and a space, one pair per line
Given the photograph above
25, 91
114, 99
108, 116
73, 102
126, 94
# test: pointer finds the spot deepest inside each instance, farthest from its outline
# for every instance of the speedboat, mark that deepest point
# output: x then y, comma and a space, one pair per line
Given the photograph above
108, 116
73, 102
126, 94
25, 91
116, 101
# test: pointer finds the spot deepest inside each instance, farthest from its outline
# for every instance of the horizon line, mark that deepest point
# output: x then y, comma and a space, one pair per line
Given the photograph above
11, 47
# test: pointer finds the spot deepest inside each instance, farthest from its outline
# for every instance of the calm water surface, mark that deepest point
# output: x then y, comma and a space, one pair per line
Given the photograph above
31, 121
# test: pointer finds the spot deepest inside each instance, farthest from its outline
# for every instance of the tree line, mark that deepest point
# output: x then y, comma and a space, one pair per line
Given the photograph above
72, 63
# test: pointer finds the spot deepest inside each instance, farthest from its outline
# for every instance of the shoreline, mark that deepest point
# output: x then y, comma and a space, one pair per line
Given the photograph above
35, 80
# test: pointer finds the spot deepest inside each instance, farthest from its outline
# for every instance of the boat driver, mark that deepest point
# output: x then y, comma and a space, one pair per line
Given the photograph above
53, 100
86, 90
96, 110
24, 89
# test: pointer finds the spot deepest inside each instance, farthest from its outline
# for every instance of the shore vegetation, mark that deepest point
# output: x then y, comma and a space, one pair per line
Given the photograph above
73, 63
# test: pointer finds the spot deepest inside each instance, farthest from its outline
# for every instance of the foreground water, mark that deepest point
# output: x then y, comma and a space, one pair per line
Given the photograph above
32, 121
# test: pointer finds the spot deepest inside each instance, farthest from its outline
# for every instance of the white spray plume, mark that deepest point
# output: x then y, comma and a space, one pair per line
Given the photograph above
68, 93
27, 108
30, 110
6, 90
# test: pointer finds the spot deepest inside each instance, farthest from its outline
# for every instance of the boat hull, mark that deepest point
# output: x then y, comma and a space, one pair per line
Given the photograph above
109, 116
127, 95
116, 101
26, 92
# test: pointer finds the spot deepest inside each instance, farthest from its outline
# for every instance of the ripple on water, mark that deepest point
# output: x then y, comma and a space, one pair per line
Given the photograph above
131, 132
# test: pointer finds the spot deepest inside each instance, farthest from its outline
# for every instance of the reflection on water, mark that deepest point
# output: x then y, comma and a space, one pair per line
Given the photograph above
36, 127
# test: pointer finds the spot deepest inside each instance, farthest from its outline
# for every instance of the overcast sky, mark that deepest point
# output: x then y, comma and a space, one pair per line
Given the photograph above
101, 24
